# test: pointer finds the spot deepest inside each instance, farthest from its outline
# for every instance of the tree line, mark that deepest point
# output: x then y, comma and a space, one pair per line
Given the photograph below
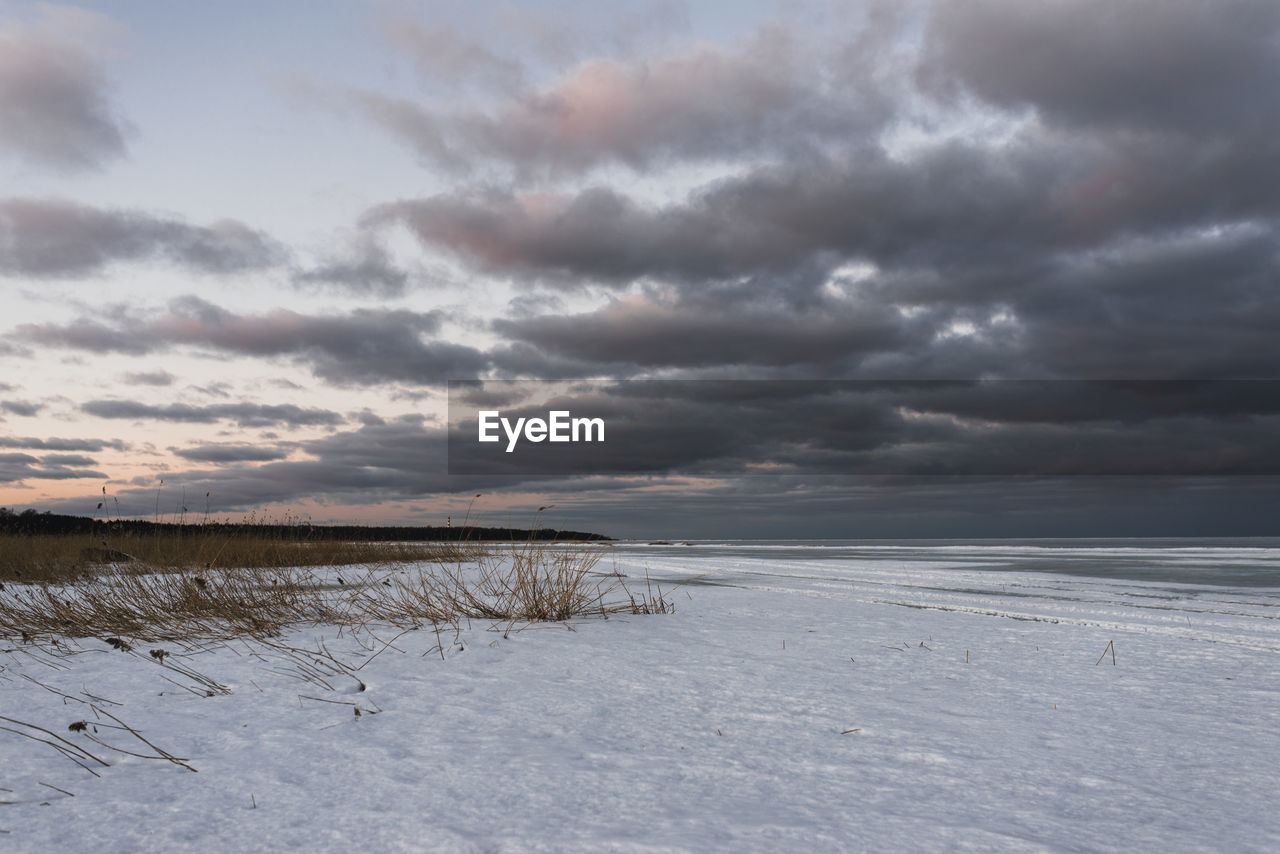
32, 522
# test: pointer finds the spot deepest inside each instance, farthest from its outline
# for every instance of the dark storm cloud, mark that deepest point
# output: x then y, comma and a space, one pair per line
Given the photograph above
958, 205
1195, 306
1065, 189
1174, 99
1184, 65
403, 449
365, 345
897, 507
58, 237
1192, 305
649, 334
948, 206
55, 108
1102, 207
231, 453
894, 427
521, 360
243, 414
1048, 278
404, 458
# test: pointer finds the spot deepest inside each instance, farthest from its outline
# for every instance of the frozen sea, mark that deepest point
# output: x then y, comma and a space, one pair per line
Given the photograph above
804, 696
1245, 562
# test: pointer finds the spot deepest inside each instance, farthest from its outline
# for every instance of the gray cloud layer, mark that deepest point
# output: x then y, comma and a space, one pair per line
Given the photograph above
369, 270
244, 414
995, 188
56, 444
20, 467
363, 346
20, 407
57, 237
389, 460
894, 427
230, 453
1103, 209
1169, 65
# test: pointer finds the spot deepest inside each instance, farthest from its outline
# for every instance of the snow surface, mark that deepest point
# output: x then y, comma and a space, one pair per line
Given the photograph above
797, 700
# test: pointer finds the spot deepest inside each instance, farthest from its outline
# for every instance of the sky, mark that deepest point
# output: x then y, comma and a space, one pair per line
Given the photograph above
244, 247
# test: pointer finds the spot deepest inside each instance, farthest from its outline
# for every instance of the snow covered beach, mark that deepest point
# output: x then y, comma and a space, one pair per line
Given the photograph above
824, 697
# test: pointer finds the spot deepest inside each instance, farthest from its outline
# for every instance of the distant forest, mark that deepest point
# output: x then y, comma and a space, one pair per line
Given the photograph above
30, 522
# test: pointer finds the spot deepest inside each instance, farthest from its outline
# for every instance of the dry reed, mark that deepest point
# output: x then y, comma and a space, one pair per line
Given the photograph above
523, 583
54, 558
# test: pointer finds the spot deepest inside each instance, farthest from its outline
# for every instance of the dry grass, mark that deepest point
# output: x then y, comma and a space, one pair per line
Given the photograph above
525, 583
164, 606
60, 558
189, 594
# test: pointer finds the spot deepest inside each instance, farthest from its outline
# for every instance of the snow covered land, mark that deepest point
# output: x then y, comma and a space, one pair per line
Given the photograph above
800, 698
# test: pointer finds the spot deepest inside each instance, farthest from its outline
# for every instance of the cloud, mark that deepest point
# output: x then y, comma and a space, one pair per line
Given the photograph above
1171, 100
87, 334
58, 237
395, 459
957, 190
21, 407
947, 204
230, 453
56, 444
1022, 428
952, 205
15, 468
368, 270
151, 378
444, 56
68, 460
399, 458
1136, 309
1177, 65
244, 414
1047, 189
772, 95
55, 109
1053, 254
362, 346
904, 507
651, 334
